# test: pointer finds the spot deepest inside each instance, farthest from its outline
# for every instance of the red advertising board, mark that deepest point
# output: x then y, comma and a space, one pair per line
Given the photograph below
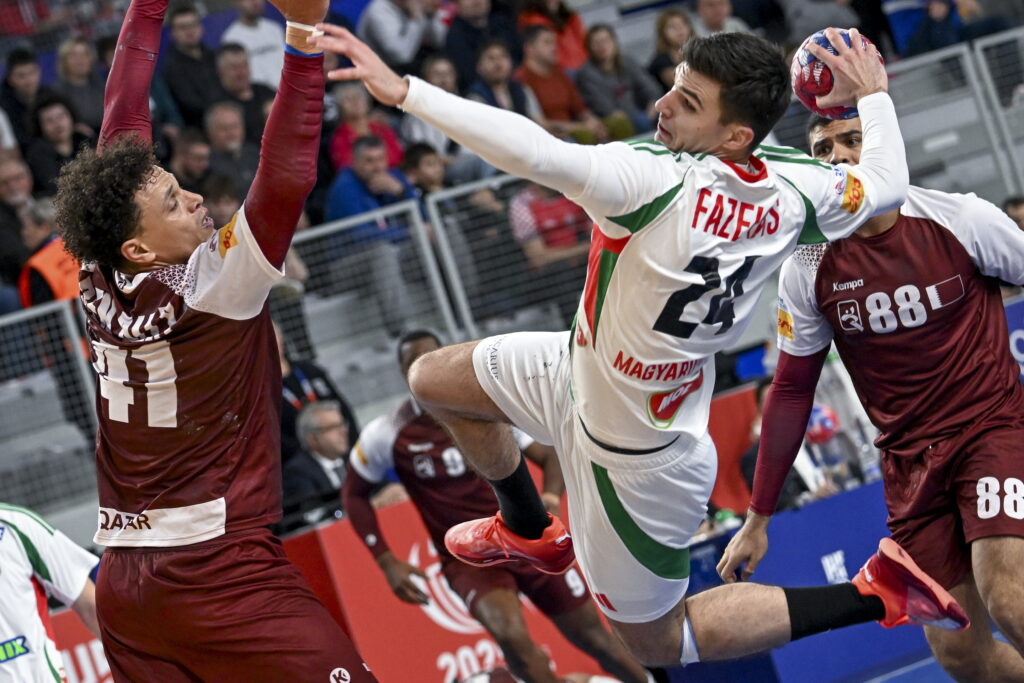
83, 654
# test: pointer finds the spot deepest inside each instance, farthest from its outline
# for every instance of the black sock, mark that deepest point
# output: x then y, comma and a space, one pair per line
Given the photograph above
521, 506
823, 608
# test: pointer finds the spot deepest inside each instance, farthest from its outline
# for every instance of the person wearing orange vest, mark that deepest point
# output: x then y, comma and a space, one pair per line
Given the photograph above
50, 273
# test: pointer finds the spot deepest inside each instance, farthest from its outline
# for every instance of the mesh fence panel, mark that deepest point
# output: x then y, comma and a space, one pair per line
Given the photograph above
1001, 66
359, 292
519, 251
47, 420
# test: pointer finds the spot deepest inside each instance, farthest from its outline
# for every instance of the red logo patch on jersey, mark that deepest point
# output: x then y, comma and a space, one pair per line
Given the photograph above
853, 196
226, 237
581, 339
663, 405
786, 325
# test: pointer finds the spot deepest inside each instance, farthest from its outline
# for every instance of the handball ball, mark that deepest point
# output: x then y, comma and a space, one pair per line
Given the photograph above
812, 78
823, 425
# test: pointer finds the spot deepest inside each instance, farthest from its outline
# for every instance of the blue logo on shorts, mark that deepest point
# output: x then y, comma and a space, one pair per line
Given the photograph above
12, 649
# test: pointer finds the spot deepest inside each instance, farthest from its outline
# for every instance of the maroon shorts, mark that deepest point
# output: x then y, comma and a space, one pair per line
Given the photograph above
230, 609
553, 595
955, 492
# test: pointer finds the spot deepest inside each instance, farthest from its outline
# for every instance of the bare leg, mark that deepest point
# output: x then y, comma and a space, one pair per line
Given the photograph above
582, 627
974, 655
999, 571
499, 612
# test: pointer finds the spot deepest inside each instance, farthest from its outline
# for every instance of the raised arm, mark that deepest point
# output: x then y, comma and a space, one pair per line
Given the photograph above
126, 99
287, 169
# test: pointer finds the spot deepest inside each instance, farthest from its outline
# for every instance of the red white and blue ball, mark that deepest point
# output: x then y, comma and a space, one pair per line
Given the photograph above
823, 424
811, 77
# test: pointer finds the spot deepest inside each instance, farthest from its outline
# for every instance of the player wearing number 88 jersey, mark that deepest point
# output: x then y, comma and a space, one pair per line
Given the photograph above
912, 302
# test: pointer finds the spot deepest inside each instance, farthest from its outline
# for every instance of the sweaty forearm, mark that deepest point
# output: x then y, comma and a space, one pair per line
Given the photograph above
883, 158
287, 170
506, 140
783, 424
126, 99
355, 500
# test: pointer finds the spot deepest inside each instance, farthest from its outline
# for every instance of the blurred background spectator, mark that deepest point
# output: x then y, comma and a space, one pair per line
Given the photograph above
15, 193
231, 154
79, 82
567, 25
190, 162
50, 272
474, 24
402, 32
1014, 208
495, 86
613, 84
190, 68
235, 80
56, 141
672, 32
715, 16
19, 92
262, 39
356, 118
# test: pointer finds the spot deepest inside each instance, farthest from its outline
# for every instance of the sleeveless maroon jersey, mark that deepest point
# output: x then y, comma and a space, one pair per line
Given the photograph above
445, 490
916, 315
188, 397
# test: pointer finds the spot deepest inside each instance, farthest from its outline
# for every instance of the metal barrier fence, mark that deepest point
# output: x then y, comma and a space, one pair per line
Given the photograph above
47, 419
1001, 65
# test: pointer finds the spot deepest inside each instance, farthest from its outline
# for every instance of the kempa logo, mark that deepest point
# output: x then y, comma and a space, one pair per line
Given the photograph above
846, 286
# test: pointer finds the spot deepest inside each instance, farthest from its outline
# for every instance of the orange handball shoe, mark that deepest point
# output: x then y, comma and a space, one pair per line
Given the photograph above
487, 541
910, 596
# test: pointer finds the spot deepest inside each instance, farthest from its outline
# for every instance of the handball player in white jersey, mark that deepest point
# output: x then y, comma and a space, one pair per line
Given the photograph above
687, 228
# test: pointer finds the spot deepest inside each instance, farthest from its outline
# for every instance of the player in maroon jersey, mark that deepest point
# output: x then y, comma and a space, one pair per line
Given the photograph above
193, 586
912, 302
446, 492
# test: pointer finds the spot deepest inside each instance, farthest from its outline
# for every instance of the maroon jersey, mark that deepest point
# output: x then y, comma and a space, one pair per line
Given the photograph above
445, 490
916, 316
188, 397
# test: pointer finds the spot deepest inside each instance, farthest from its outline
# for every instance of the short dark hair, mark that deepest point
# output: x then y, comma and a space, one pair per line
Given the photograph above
45, 102
488, 43
416, 335
96, 207
229, 49
415, 153
1015, 200
20, 56
430, 61
815, 122
180, 8
221, 186
364, 142
752, 74
531, 33
188, 138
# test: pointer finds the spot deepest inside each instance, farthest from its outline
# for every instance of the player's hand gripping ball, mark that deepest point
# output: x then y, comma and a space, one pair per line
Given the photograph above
811, 77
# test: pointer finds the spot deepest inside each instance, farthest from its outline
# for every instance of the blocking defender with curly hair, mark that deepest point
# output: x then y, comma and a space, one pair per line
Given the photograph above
188, 401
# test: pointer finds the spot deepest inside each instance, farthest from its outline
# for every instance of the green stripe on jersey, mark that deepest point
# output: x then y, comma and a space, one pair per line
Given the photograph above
664, 561
605, 268
53, 669
28, 513
39, 567
645, 141
634, 221
772, 149
662, 151
794, 160
810, 233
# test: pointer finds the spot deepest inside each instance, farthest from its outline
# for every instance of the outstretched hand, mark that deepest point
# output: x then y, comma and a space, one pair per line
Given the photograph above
385, 85
857, 69
302, 11
747, 548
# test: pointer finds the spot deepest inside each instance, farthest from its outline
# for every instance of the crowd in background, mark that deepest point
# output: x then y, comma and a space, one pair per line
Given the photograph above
210, 99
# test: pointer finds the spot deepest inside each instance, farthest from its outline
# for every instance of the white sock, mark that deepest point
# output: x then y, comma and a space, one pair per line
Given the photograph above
690, 654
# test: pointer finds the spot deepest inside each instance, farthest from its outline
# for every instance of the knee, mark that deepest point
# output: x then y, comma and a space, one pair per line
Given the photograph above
425, 376
961, 658
1006, 607
662, 651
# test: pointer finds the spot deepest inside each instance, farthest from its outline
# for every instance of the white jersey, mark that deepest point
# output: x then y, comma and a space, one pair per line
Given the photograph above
682, 247
36, 561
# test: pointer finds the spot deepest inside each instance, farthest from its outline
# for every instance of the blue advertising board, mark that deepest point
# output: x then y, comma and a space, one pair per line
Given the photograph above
1015, 321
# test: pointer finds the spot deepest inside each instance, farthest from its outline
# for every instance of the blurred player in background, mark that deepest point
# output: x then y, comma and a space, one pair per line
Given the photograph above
194, 586
912, 302
36, 562
686, 231
446, 492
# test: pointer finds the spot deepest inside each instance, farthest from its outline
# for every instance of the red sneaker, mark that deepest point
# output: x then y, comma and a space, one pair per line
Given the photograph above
487, 541
910, 595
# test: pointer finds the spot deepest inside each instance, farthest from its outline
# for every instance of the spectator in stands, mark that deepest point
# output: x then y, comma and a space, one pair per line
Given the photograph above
190, 162
1014, 208
402, 32
28, 17
221, 198
554, 235
230, 153
564, 110
190, 68
612, 84
567, 25
376, 255
19, 92
461, 164
303, 383
79, 82
715, 16
673, 30
262, 38
356, 119
805, 481
475, 23
50, 273
15, 193
236, 81
55, 141
495, 86
943, 23
313, 477
804, 17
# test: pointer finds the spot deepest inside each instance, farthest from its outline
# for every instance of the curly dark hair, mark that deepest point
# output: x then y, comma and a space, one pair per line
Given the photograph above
96, 207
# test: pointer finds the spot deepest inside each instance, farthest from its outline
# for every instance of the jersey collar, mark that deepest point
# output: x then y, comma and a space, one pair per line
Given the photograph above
759, 174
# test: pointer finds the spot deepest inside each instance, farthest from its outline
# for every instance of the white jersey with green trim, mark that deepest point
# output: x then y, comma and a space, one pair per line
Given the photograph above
681, 249
37, 561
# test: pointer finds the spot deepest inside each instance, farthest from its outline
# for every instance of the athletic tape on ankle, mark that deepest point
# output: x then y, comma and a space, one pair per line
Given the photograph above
690, 654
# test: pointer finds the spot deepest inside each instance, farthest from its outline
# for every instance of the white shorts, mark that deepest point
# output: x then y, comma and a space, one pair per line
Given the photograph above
632, 515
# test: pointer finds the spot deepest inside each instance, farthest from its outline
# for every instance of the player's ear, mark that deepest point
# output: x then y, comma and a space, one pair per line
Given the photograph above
739, 138
135, 252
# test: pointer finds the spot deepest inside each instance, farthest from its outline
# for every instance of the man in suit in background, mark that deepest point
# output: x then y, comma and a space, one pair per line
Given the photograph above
317, 472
